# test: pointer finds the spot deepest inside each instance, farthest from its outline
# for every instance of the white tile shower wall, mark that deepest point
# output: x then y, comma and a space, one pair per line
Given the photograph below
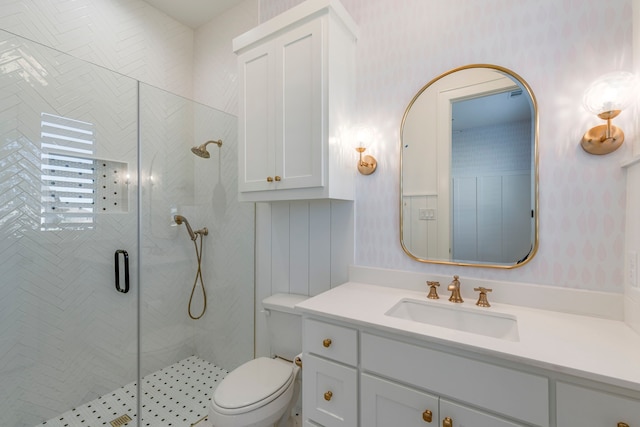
67, 334
127, 36
402, 45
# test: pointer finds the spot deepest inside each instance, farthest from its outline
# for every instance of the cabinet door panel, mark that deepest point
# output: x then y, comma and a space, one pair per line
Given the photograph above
384, 404
256, 124
462, 416
578, 406
299, 135
330, 393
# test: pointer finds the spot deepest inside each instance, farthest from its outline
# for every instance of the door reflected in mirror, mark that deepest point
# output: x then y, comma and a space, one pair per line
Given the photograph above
469, 170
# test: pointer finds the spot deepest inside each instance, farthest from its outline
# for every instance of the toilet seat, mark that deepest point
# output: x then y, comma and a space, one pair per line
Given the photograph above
252, 385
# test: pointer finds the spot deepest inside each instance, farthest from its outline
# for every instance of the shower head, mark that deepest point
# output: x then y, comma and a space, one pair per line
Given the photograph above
201, 150
179, 219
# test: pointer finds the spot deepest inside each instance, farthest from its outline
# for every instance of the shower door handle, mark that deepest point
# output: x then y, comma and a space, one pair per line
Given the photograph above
126, 270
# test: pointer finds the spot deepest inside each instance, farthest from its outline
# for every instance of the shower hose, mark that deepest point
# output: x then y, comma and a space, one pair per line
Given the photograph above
198, 277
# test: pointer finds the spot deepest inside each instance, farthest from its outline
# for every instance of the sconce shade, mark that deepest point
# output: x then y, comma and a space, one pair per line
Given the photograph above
610, 92
606, 97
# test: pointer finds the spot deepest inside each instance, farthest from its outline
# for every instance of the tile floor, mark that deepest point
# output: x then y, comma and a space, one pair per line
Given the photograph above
174, 396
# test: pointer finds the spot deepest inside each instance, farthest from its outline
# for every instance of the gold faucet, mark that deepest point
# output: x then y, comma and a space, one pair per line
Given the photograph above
454, 287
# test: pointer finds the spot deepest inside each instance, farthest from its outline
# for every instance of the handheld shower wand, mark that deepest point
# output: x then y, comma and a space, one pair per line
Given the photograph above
179, 219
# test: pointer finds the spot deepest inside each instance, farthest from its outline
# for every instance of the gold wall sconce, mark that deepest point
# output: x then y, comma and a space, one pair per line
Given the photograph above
367, 164
606, 97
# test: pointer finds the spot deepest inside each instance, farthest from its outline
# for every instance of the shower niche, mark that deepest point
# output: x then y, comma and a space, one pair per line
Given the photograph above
75, 189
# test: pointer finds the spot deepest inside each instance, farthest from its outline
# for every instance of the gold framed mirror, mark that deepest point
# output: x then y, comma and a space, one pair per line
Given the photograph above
469, 170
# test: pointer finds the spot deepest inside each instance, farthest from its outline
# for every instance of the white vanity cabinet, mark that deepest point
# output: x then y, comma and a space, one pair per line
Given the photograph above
586, 407
296, 85
329, 374
468, 392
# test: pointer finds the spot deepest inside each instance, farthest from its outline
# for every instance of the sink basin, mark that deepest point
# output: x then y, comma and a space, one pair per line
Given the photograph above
496, 325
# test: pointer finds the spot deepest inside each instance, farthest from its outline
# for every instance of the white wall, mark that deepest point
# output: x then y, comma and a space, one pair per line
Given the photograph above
403, 45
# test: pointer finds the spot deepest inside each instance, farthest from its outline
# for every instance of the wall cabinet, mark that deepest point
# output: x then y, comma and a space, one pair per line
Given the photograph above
382, 381
296, 90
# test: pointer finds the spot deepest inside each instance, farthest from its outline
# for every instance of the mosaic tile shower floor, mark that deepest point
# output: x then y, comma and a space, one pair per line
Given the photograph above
174, 396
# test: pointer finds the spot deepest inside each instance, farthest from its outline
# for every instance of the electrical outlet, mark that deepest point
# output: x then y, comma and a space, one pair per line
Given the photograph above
426, 214
632, 268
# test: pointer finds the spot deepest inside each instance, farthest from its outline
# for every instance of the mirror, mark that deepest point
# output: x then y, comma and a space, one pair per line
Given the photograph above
469, 170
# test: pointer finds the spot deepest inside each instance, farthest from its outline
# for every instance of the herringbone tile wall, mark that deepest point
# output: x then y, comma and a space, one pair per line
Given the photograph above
127, 36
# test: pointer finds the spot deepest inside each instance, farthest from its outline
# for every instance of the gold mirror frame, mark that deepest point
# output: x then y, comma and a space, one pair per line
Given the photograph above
535, 205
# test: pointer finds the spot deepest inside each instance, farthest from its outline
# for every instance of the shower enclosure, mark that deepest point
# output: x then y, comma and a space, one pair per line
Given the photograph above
94, 167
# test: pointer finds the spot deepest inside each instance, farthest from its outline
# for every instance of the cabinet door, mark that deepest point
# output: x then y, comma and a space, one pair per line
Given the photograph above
579, 406
256, 134
385, 404
299, 129
461, 416
330, 393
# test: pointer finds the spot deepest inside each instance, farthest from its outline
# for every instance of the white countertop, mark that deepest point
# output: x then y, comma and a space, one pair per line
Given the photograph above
598, 349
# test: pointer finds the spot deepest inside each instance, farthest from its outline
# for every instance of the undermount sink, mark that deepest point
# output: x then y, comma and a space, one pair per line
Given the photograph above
496, 325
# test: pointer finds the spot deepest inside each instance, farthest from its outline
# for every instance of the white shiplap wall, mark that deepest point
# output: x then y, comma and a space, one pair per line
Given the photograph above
302, 247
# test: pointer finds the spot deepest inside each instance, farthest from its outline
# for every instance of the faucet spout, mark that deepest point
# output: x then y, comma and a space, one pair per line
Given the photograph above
454, 287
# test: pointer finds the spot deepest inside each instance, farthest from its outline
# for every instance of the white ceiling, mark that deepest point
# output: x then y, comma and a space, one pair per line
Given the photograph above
193, 13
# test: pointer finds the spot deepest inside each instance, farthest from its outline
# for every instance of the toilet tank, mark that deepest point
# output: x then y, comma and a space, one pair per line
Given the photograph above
284, 324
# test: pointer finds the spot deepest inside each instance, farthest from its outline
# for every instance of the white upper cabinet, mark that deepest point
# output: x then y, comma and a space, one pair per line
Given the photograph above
296, 91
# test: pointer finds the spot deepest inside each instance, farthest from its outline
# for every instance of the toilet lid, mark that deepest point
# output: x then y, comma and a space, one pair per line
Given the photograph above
252, 382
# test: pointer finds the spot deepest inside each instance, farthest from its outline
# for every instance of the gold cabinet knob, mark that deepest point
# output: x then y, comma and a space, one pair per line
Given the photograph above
269, 179
278, 179
427, 416
621, 424
447, 422
326, 342
328, 395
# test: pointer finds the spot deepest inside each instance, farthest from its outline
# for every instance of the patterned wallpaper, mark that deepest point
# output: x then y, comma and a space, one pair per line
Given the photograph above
402, 45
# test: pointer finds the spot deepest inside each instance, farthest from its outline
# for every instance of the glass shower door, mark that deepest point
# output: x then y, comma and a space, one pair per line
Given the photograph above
68, 214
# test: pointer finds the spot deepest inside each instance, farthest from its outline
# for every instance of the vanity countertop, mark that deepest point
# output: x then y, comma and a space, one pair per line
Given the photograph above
599, 349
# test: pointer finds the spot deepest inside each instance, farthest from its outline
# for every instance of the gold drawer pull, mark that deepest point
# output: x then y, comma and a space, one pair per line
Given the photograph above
447, 422
621, 424
328, 395
427, 416
277, 178
269, 179
326, 342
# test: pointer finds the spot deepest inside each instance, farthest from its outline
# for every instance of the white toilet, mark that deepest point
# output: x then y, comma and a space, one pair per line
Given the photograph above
263, 391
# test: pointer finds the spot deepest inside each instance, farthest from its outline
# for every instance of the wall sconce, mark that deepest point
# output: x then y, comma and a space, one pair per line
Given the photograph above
607, 97
366, 165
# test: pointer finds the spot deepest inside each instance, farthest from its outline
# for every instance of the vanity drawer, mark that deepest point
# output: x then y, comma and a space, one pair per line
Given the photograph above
579, 406
330, 393
506, 391
331, 341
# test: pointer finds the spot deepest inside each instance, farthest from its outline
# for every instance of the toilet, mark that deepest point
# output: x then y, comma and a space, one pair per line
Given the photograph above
263, 391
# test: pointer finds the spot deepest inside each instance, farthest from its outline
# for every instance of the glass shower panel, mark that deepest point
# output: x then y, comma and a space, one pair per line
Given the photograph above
183, 359
68, 202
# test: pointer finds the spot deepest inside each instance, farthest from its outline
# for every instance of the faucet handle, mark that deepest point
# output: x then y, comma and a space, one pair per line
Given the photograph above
482, 298
433, 292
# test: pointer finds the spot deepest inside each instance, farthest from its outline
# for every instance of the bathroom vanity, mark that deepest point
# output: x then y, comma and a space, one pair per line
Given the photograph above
382, 356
